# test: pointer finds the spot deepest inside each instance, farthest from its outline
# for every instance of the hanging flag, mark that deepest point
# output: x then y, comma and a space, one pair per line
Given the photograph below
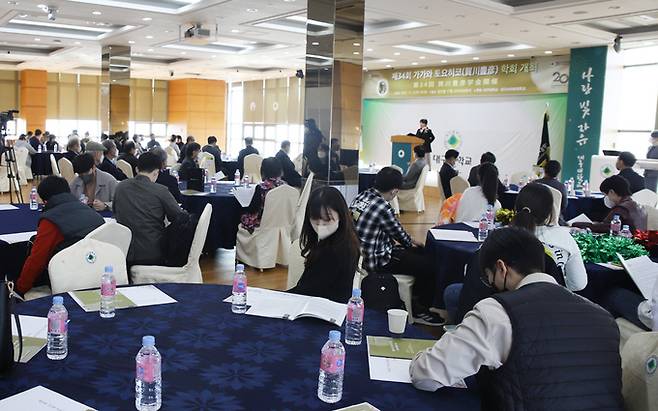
545, 146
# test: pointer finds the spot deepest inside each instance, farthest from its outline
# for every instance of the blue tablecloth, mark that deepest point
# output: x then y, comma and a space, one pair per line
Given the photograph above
593, 206
41, 162
214, 360
225, 216
450, 258
366, 180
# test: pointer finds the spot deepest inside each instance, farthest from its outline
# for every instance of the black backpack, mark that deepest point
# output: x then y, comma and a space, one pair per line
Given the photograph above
380, 292
178, 239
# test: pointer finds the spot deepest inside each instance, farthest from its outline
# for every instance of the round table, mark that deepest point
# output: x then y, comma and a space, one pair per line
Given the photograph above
591, 206
450, 258
41, 162
214, 359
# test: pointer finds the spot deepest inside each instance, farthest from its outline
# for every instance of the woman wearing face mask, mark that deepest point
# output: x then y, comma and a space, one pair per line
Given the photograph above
322, 165
330, 246
618, 199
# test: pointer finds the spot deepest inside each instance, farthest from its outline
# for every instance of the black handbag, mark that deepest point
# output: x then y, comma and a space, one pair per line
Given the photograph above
7, 300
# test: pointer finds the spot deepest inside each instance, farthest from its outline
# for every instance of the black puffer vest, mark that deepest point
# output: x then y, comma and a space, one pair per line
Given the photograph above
73, 219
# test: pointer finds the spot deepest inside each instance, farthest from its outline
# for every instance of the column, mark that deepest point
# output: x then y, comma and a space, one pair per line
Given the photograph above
115, 88
334, 61
34, 98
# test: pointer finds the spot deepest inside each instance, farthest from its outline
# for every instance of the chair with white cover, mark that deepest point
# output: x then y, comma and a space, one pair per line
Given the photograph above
113, 233
125, 166
252, 164
458, 185
295, 264
557, 205
299, 163
66, 169
414, 199
81, 265
516, 178
172, 157
54, 167
207, 162
24, 171
269, 244
301, 207
645, 197
652, 218
442, 194
190, 272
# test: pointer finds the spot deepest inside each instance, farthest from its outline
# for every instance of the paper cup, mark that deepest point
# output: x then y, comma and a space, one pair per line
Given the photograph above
397, 321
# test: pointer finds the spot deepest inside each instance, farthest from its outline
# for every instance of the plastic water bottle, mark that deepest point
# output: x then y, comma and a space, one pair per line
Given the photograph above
506, 181
175, 174
83, 199
148, 376
522, 182
626, 232
58, 318
213, 185
205, 176
586, 190
236, 178
332, 367
40, 149
615, 225
34, 203
245, 181
483, 229
491, 217
108, 292
239, 304
354, 323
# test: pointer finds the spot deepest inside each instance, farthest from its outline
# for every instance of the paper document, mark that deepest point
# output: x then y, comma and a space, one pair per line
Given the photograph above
244, 195
472, 224
402, 348
7, 207
17, 237
220, 176
453, 235
389, 369
643, 271
364, 406
35, 336
41, 399
126, 297
582, 218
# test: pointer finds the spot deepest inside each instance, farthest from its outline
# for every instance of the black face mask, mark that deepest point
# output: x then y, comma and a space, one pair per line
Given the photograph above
87, 178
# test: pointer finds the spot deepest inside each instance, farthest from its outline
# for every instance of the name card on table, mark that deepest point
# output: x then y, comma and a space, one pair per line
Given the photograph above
17, 237
126, 297
35, 336
41, 399
453, 235
364, 406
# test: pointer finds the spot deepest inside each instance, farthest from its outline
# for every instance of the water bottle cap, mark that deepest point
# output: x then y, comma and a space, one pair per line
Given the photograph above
334, 335
356, 292
625, 227
239, 267
148, 341
109, 269
58, 300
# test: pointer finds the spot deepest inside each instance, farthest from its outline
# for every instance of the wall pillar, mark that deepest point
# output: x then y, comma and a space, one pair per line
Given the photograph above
34, 98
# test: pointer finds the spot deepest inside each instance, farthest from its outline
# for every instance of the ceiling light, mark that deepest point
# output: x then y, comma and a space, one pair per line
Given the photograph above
388, 65
235, 31
22, 15
250, 10
548, 52
37, 39
146, 19
77, 43
149, 37
476, 58
183, 52
288, 1
315, 43
214, 56
13, 3
397, 53
422, 57
96, 13
414, 63
511, 55
131, 42
369, 50
150, 50
356, 44
355, 52
444, 61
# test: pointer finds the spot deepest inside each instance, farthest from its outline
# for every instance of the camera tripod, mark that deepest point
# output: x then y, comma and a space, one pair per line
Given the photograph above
13, 176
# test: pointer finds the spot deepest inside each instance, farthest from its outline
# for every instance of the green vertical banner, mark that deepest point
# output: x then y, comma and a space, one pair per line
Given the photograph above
584, 111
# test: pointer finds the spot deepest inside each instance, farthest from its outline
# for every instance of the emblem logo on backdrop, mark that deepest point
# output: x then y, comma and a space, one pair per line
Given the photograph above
607, 170
382, 87
452, 140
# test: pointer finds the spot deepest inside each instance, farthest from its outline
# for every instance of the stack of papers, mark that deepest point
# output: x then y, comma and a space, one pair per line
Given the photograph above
582, 218
7, 207
35, 336
287, 306
389, 358
644, 273
126, 297
41, 399
453, 235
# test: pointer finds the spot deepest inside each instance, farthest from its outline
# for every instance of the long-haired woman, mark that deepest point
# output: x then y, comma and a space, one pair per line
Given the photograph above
475, 200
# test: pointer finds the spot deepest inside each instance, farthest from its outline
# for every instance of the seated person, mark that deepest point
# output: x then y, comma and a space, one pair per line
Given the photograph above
551, 171
290, 175
164, 177
180, 144
270, 171
212, 148
153, 143
618, 198
632, 306
130, 155
249, 149
174, 145
330, 247
387, 248
190, 161
474, 179
142, 205
108, 164
64, 222
183, 150
475, 200
625, 163
412, 175
72, 149
524, 341
34, 139
322, 167
448, 171
96, 185
51, 143
22, 142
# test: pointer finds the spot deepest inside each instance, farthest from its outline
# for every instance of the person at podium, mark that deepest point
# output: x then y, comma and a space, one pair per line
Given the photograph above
425, 133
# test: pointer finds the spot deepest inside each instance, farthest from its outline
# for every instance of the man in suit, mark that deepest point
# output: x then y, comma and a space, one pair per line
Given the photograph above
72, 149
34, 139
426, 135
448, 171
290, 175
473, 178
164, 177
108, 163
249, 149
625, 163
212, 148
153, 143
410, 179
129, 155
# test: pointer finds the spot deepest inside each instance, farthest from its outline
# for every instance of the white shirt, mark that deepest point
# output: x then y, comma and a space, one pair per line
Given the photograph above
484, 338
565, 253
472, 205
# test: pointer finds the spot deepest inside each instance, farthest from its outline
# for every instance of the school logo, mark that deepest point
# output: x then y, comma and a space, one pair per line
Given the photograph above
607, 170
651, 365
452, 140
382, 87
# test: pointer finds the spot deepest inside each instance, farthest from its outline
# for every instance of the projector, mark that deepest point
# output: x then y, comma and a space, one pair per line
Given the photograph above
197, 34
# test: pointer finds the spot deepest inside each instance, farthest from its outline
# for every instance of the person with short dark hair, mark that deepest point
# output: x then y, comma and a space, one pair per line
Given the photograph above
73, 149
23, 143
270, 172
174, 145
552, 169
164, 177
130, 155
380, 232
290, 175
51, 143
64, 222
34, 139
412, 175
475, 200
322, 165
213, 149
533, 344
96, 185
618, 198
108, 164
425, 134
153, 143
448, 171
142, 205
487, 157
625, 163
651, 176
329, 246
190, 162
249, 149
180, 144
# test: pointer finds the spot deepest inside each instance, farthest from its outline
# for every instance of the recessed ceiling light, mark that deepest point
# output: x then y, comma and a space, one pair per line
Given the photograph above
397, 53
476, 58
149, 37
250, 10
77, 42
356, 44
422, 57
37, 39
131, 41
22, 15
213, 56
388, 65
414, 63
511, 55
146, 19
13, 3
183, 52
369, 50
648, 43
150, 50
548, 52
288, 1
96, 13
444, 61
355, 52
315, 43
235, 31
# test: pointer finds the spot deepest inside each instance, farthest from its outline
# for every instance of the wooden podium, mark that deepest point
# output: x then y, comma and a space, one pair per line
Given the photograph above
402, 150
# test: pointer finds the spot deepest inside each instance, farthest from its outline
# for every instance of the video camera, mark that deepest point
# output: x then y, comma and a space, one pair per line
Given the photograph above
6, 116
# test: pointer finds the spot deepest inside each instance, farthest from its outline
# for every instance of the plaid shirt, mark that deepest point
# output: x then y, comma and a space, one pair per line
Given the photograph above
377, 228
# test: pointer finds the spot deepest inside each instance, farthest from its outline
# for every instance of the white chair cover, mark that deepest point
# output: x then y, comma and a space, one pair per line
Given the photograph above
113, 233
652, 218
301, 207
190, 272
644, 197
295, 264
81, 266
207, 161
516, 177
66, 169
414, 199
172, 157
557, 205
127, 169
458, 185
269, 244
24, 171
299, 163
252, 164
53, 165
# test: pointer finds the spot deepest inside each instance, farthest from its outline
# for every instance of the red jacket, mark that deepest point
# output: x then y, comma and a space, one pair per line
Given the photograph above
48, 237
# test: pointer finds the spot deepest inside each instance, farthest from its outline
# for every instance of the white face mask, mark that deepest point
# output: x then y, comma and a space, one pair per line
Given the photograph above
325, 230
608, 202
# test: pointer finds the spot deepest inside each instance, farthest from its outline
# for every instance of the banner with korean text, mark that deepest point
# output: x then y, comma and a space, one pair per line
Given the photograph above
584, 111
